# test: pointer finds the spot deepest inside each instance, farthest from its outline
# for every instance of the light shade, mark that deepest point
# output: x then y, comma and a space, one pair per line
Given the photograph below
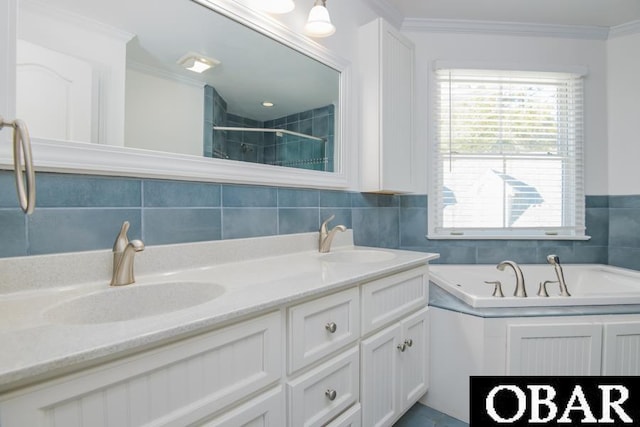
319, 24
274, 6
197, 63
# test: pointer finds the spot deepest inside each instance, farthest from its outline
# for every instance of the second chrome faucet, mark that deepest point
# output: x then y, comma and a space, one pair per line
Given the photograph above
326, 236
123, 256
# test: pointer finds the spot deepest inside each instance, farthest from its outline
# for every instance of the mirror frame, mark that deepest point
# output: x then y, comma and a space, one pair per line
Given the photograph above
99, 159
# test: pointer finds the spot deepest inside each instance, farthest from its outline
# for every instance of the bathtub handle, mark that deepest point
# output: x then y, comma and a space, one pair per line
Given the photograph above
497, 290
542, 290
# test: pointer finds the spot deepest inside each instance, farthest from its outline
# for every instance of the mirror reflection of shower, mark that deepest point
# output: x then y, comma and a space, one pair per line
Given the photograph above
302, 140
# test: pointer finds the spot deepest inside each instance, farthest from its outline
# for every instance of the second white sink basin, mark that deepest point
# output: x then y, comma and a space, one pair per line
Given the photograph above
358, 256
133, 302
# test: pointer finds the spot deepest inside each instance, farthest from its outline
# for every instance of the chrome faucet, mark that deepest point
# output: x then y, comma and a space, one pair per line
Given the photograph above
326, 237
123, 255
555, 261
520, 289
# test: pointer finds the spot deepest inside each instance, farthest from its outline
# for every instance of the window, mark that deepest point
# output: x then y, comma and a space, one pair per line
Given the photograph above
508, 155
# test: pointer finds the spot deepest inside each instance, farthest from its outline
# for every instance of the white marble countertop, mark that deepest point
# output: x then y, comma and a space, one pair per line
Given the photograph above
257, 275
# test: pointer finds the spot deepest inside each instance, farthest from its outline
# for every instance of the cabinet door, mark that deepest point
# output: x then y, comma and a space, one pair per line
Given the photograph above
387, 62
380, 377
554, 349
414, 360
621, 349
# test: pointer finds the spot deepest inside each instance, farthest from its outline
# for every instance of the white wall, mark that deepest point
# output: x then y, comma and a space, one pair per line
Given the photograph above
102, 47
525, 51
623, 64
163, 114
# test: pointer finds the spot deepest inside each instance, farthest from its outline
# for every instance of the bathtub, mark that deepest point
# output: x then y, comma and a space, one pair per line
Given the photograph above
589, 284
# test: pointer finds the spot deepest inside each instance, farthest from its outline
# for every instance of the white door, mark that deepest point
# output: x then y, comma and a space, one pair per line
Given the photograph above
54, 93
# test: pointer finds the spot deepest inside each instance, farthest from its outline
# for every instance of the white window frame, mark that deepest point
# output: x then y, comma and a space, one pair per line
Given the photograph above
435, 229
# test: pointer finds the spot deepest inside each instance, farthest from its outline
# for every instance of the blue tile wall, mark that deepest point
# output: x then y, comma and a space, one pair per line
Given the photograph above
267, 148
82, 212
624, 237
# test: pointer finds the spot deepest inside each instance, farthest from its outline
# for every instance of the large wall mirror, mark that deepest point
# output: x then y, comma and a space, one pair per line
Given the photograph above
119, 80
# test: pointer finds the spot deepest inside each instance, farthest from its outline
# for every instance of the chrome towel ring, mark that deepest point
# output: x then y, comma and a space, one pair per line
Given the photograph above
22, 149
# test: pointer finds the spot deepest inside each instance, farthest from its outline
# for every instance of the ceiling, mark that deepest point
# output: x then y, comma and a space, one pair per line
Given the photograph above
601, 13
253, 68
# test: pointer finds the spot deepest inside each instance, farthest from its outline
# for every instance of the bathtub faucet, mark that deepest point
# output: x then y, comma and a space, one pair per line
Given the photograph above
555, 261
520, 290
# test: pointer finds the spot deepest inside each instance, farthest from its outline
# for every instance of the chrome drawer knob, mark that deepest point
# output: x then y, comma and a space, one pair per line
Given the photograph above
402, 347
331, 394
331, 327
408, 342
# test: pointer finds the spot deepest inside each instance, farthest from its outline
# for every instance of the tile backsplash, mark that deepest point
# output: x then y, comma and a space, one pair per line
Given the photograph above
83, 212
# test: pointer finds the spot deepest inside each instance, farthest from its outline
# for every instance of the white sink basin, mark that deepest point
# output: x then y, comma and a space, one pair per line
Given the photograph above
358, 256
134, 301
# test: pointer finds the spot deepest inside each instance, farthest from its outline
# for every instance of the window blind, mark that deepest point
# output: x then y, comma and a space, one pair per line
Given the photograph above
508, 158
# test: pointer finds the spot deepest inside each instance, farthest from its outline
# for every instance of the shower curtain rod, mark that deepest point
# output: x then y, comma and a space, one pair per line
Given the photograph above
288, 132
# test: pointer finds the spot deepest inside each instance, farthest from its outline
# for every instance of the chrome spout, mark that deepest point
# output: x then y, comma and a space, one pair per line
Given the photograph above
123, 256
326, 236
554, 260
520, 291
123, 272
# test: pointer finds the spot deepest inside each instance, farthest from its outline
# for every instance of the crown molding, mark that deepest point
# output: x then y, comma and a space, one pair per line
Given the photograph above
43, 8
505, 28
387, 11
632, 27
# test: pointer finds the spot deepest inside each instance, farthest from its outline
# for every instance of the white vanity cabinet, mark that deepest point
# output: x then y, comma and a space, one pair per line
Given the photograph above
174, 385
334, 359
386, 60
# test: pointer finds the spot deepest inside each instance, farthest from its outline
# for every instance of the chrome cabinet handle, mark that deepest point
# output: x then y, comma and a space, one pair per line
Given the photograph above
331, 394
22, 150
408, 342
402, 347
331, 327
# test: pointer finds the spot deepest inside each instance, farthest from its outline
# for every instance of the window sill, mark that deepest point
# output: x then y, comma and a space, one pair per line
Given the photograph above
503, 237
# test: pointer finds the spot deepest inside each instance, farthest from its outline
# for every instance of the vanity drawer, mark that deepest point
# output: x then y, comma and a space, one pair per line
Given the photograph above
320, 327
393, 297
324, 392
266, 410
350, 418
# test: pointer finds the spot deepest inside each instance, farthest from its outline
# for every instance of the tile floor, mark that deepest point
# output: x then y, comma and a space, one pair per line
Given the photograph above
423, 416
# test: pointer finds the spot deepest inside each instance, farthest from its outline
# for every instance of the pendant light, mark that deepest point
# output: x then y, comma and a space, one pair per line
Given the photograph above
319, 24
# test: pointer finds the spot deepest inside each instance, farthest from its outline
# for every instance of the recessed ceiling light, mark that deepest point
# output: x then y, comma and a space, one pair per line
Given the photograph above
197, 63
267, 104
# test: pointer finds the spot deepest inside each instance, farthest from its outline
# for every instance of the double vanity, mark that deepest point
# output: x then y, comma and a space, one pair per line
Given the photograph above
260, 331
